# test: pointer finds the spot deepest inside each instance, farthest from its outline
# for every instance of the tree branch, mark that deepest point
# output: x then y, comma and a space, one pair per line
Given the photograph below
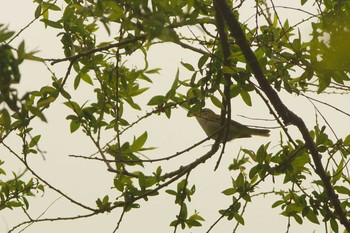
226, 53
287, 115
95, 50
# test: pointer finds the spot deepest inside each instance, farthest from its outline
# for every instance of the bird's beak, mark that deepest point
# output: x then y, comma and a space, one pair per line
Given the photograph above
193, 114
190, 114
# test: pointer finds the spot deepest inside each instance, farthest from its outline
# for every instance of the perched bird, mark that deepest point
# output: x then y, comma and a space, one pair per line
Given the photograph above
210, 123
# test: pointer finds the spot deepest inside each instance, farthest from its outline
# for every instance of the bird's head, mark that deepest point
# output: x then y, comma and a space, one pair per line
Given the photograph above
205, 113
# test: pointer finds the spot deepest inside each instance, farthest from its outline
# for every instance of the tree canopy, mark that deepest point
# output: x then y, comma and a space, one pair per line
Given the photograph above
105, 84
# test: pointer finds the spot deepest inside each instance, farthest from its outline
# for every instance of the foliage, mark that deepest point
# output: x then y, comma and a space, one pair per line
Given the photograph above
14, 192
268, 55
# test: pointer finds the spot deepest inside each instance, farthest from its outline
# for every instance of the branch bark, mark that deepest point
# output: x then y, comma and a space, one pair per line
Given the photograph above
226, 53
287, 115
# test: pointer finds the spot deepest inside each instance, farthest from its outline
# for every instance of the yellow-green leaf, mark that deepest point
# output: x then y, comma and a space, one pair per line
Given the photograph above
246, 97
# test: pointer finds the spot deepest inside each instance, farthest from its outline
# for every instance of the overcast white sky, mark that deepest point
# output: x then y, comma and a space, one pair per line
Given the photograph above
87, 180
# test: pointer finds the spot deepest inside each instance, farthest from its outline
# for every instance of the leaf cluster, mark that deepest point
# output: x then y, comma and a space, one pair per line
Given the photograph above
267, 57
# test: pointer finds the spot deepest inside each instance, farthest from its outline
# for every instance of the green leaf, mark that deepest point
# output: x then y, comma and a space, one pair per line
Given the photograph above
74, 106
34, 141
76, 81
323, 82
229, 191
240, 180
138, 143
48, 90
277, 203
216, 102
157, 100
51, 6
2, 172
342, 190
188, 66
254, 170
131, 102
334, 225
175, 84
74, 125
183, 212
37, 11
196, 217
26, 203
228, 70
11, 204
234, 90
150, 181
45, 102
239, 218
86, 78
312, 217
261, 154
32, 57
142, 180
202, 60
246, 97
298, 219
104, 205
153, 71
37, 112
21, 50
65, 94
138, 91
119, 185
171, 192
174, 223
6, 35
53, 24
347, 141
338, 173
193, 223
5, 119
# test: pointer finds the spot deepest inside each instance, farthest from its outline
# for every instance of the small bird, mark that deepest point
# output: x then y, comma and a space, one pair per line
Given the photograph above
210, 123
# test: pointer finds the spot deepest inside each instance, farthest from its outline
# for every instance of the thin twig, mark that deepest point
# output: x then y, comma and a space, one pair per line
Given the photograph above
95, 50
144, 160
120, 220
31, 22
182, 200
45, 182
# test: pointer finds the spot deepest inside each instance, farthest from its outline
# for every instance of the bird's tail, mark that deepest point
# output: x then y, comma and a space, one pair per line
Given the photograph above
260, 132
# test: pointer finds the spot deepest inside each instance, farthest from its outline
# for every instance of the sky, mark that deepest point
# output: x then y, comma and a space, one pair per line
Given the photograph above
87, 180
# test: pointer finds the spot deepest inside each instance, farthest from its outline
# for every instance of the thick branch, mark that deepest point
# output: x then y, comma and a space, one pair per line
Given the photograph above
287, 115
220, 25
